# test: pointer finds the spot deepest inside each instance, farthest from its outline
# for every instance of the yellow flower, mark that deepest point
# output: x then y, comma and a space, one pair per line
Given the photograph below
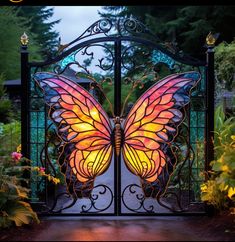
203, 187
225, 168
233, 137
56, 180
223, 187
35, 168
18, 149
231, 192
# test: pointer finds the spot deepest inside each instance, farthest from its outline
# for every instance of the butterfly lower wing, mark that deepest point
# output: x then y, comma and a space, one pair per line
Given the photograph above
84, 129
150, 128
82, 167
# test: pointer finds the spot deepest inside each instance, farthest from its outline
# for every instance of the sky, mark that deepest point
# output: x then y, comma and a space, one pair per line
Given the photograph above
74, 21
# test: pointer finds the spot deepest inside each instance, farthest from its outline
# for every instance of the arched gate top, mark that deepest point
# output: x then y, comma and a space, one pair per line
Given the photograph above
121, 29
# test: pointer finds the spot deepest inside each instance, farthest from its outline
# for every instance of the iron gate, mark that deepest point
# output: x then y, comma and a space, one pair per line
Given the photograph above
132, 61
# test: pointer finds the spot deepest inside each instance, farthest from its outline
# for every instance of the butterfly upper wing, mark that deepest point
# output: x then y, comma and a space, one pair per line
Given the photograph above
151, 125
82, 125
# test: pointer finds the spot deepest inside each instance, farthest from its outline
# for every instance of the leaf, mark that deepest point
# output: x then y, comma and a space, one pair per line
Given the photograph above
21, 213
5, 222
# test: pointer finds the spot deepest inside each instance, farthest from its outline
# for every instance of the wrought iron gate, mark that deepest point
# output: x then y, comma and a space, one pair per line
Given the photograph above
132, 60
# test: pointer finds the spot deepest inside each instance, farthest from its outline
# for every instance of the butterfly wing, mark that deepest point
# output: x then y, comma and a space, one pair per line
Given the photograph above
84, 129
150, 128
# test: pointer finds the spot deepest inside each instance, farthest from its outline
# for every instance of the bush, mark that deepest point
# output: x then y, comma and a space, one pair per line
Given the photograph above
225, 64
219, 190
10, 135
6, 113
13, 207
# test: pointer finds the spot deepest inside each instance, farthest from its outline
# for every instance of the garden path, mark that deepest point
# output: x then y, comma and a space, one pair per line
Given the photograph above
125, 229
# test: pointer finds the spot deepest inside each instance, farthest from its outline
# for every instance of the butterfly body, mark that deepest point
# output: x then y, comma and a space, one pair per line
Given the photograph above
118, 135
143, 140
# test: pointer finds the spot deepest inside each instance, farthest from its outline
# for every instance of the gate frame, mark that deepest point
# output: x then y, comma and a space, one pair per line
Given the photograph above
209, 105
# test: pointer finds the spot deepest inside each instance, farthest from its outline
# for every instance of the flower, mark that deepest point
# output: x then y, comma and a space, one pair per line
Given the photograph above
18, 149
225, 168
231, 192
16, 156
42, 169
35, 168
56, 180
204, 187
49, 177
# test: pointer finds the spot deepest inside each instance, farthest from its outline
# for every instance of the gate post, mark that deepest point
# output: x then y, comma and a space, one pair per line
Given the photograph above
117, 112
24, 96
210, 90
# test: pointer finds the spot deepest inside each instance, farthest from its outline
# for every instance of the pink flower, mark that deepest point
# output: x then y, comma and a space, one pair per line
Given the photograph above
16, 156
41, 169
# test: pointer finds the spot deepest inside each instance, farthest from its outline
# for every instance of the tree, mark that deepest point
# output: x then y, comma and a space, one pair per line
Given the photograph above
39, 24
12, 27
225, 64
187, 25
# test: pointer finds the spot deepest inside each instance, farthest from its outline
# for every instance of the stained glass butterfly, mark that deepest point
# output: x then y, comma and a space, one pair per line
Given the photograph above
144, 139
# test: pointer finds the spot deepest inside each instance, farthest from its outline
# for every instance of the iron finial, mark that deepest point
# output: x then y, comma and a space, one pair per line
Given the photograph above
211, 39
24, 39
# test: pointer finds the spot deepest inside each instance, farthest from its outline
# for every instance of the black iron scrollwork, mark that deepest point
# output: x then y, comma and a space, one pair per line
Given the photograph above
100, 200
135, 194
114, 27
104, 63
102, 26
134, 27
98, 204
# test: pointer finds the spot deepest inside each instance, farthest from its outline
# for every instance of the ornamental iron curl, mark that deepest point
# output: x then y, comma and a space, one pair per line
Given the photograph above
89, 205
113, 28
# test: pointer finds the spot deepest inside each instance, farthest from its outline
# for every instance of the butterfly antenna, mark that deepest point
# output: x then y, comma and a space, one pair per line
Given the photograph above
126, 99
97, 84
134, 85
110, 104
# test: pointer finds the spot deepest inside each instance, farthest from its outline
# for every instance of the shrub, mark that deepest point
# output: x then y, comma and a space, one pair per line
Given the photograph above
6, 113
219, 190
14, 207
9, 137
225, 64
13, 196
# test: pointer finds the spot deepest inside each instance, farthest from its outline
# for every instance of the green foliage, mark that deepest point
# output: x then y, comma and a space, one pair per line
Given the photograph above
225, 64
9, 137
40, 26
12, 27
13, 207
134, 83
109, 92
14, 195
187, 25
219, 190
5, 104
224, 129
